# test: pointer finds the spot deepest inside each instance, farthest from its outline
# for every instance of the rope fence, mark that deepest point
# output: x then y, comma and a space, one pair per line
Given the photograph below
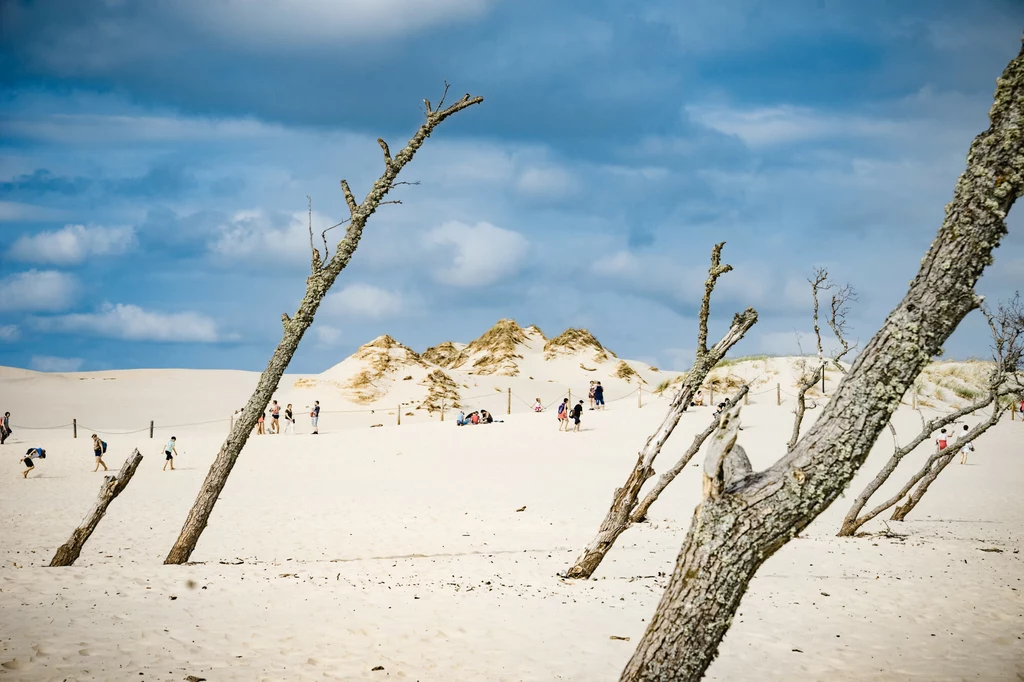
466, 404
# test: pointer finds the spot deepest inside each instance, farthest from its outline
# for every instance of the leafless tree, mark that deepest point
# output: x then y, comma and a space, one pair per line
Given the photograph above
325, 271
837, 322
624, 501
745, 518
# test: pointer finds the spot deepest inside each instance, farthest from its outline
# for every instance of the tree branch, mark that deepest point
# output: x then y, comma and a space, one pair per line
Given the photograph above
806, 384
315, 257
819, 280
349, 198
714, 272
387, 152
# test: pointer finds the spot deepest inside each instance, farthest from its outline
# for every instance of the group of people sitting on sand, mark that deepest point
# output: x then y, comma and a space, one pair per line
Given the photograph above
475, 417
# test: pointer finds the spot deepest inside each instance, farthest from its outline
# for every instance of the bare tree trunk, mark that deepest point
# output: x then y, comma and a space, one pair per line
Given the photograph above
112, 486
639, 514
853, 520
317, 286
624, 501
801, 405
900, 512
741, 523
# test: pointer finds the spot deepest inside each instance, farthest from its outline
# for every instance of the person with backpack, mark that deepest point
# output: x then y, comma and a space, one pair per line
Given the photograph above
98, 448
577, 412
563, 415
599, 396
31, 454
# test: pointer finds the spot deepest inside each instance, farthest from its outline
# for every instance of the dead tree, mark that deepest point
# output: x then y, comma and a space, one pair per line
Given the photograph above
625, 498
324, 272
837, 322
743, 520
639, 514
112, 486
1007, 327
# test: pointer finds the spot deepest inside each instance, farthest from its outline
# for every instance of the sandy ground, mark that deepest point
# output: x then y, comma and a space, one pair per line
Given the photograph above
401, 547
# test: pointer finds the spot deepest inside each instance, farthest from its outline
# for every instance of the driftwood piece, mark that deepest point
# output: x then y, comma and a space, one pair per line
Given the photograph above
112, 486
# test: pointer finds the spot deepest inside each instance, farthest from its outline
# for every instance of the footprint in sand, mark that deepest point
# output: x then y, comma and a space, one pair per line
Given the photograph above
13, 664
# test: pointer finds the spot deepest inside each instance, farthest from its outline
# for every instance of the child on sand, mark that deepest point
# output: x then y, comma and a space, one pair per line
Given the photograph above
169, 453
31, 454
563, 415
943, 440
537, 407
577, 412
966, 448
98, 448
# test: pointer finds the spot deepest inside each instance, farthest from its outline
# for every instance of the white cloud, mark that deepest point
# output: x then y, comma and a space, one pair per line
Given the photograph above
260, 237
72, 244
363, 300
48, 363
327, 336
9, 333
474, 255
305, 22
132, 323
764, 126
549, 181
45, 290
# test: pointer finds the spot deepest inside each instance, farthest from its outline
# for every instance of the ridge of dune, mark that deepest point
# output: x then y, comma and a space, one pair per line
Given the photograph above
575, 341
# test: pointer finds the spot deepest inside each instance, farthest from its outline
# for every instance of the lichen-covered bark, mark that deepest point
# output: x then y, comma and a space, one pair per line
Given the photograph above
616, 521
69, 552
317, 286
733, 533
639, 514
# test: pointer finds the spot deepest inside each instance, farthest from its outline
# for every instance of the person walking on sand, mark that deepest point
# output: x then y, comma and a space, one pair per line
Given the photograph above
563, 415
169, 453
590, 393
275, 423
577, 412
943, 440
31, 454
261, 425
98, 448
289, 420
5, 427
599, 396
315, 415
968, 447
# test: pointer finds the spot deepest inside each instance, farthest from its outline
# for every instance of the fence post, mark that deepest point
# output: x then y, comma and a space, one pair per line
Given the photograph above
746, 398
442, 410
711, 391
1011, 411
640, 397
399, 414
74, 428
509, 411
151, 428
778, 394
570, 396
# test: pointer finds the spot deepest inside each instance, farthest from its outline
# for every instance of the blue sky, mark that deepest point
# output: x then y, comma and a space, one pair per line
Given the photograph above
156, 157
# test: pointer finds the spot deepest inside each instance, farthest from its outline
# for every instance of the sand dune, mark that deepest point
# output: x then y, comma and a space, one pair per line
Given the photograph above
401, 546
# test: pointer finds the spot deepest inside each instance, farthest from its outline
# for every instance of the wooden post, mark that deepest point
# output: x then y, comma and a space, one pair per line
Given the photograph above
570, 396
150, 428
442, 410
823, 380
778, 394
399, 415
509, 411
711, 395
640, 397
111, 488
746, 398
74, 428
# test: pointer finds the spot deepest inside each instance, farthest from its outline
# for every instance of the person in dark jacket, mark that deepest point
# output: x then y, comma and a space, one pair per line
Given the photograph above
577, 412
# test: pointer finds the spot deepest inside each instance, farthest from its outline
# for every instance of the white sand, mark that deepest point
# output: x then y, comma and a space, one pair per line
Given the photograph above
400, 546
